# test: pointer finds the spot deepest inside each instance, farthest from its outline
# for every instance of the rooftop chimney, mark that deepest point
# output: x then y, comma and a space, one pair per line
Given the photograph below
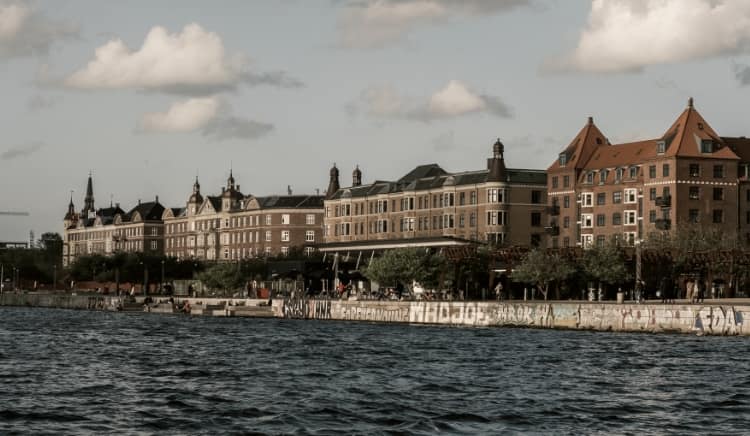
288, 189
157, 198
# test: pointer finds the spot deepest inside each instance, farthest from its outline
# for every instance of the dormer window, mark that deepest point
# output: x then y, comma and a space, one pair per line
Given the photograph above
590, 177
661, 147
707, 146
618, 174
633, 172
603, 176
563, 159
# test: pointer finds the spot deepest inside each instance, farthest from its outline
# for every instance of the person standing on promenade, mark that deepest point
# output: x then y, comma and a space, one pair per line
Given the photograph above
499, 291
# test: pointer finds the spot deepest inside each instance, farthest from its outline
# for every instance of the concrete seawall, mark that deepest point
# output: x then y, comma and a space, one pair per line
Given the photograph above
722, 318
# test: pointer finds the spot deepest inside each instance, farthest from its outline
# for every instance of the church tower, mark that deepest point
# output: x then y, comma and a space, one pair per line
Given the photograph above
333, 182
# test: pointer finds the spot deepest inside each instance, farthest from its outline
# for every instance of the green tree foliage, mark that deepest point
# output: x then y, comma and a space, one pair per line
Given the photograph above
223, 276
405, 265
542, 268
34, 264
605, 264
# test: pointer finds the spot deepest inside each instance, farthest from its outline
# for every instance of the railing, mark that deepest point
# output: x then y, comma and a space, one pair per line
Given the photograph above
664, 201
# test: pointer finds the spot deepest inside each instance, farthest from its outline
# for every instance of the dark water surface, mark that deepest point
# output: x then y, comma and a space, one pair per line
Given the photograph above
76, 372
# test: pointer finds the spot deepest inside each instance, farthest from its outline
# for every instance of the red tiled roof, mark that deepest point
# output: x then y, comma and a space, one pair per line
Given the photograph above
582, 147
685, 135
622, 154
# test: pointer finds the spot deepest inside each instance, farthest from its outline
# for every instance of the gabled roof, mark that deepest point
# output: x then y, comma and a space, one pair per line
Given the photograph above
684, 137
148, 211
215, 202
582, 147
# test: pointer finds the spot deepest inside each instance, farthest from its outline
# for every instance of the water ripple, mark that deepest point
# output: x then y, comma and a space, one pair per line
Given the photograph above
99, 373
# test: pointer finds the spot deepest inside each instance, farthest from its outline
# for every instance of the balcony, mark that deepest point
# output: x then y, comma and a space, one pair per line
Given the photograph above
663, 224
553, 230
664, 201
554, 210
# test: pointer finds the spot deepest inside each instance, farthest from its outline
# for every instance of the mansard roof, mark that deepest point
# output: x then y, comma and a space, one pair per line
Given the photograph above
290, 201
438, 179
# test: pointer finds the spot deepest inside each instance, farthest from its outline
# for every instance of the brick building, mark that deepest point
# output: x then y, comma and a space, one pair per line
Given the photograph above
599, 191
432, 207
109, 230
233, 226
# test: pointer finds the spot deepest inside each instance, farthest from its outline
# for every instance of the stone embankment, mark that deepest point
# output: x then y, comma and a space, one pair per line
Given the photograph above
714, 318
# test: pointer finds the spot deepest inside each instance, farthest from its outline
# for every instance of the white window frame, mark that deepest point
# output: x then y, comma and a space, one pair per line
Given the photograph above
587, 241
630, 217
630, 196
268, 236
587, 220
285, 236
269, 220
587, 199
310, 219
310, 236
285, 219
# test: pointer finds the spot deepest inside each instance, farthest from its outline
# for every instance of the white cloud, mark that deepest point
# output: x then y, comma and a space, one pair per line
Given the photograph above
376, 23
210, 116
628, 35
453, 100
21, 150
193, 61
26, 32
183, 116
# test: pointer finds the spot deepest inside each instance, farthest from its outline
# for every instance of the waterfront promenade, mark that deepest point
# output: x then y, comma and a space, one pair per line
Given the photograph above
715, 317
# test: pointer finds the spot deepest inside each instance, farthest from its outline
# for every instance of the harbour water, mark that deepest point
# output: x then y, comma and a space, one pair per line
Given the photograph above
82, 372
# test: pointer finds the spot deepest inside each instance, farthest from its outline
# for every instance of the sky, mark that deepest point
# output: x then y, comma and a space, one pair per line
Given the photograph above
145, 95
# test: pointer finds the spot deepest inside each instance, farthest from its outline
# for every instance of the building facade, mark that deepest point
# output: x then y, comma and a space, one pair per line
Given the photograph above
432, 207
598, 191
233, 226
110, 230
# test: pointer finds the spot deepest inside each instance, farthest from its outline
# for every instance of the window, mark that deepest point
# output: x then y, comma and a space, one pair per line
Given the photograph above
630, 217
630, 195
590, 177
268, 220
473, 197
618, 175
718, 216
718, 171
153, 244
536, 219
345, 229
694, 192
461, 198
535, 239
616, 219
473, 220
600, 220
587, 241
310, 219
448, 221
587, 220
495, 195
566, 242
617, 197
652, 194
601, 198
695, 170
267, 251
285, 236
268, 236
661, 147
718, 193
652, 216
309, 251
707, 146
566, 181
408, 203
629, 238
665, 170
633, 172
563, 159
587, 199
566, 222
536, 197
284, 251
461, 221
652, 171
496, 218
603, 176
600, 240
693, 216
407, 224
285, 217
554, 182
566, 202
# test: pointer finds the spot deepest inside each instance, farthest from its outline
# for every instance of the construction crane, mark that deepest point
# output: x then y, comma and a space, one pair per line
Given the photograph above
14, 213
